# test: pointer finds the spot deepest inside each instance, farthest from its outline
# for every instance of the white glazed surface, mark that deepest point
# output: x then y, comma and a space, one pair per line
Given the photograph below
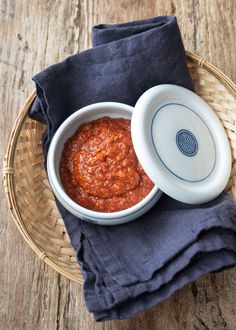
64, 132
160, 114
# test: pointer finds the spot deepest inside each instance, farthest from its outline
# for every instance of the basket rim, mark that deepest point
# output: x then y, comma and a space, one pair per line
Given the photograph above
8, 170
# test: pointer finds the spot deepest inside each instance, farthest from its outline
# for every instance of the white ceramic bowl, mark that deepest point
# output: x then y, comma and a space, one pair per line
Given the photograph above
64, 132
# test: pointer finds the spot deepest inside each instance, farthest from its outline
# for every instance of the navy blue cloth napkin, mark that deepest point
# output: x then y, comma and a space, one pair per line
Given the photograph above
131, 267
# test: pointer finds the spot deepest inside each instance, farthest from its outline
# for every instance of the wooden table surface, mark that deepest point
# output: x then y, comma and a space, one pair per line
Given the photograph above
35, 34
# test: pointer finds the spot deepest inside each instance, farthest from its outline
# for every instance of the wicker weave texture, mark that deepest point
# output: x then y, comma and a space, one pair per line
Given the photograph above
30, 198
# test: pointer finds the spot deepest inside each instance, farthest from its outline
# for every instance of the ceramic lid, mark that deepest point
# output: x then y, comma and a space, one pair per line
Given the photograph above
181, 144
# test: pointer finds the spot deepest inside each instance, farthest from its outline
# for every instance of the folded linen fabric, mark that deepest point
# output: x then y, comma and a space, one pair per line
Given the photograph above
133, 266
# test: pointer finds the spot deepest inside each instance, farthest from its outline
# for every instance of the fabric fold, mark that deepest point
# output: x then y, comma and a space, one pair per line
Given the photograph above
206, 263
182, 229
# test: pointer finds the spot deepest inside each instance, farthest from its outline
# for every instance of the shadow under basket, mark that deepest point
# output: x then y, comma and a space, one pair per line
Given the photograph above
30, 198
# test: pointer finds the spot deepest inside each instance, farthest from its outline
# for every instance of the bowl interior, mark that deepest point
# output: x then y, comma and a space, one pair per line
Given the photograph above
65, 131
71, 125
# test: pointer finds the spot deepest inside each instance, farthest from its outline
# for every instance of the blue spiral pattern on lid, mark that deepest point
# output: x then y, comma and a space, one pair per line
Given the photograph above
187, 143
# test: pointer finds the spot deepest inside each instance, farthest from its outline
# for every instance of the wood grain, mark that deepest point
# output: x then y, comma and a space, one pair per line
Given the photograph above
35, 34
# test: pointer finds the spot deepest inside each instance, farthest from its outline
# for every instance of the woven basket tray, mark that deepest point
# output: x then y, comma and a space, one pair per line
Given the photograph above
30, 198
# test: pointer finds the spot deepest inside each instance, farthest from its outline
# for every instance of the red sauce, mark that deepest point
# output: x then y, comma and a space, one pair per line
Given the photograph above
99, 168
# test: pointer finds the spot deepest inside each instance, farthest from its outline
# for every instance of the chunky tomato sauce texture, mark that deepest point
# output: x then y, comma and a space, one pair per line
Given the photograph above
99, 169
